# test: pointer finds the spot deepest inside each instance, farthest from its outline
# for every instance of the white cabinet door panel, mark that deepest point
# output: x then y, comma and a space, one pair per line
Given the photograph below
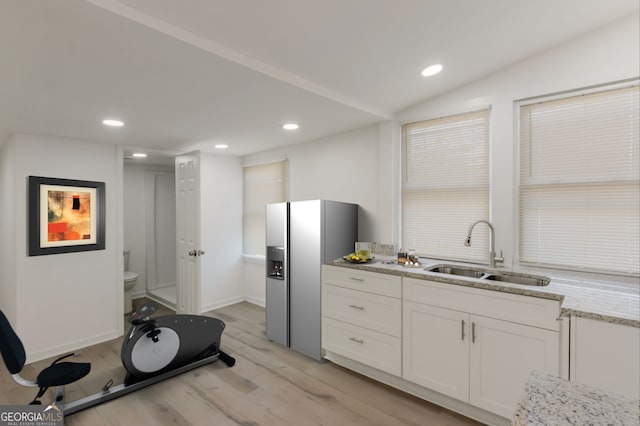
435, 349
503, 354
606, 355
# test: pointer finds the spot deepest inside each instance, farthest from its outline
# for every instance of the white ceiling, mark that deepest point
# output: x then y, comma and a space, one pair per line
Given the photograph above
188, 74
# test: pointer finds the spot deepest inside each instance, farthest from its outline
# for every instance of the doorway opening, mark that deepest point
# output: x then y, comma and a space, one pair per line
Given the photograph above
160, 236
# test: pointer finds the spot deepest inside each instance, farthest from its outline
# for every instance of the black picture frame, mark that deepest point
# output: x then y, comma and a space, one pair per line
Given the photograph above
52, 198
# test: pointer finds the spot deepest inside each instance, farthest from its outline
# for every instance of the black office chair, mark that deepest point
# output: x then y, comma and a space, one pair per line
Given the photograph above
57, 374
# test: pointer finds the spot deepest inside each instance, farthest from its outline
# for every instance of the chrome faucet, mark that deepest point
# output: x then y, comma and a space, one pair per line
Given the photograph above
492, 254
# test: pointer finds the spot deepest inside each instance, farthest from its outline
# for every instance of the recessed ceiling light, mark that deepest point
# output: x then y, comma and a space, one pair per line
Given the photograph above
290, 126
113, 123
221, 146
139, 154
431, 70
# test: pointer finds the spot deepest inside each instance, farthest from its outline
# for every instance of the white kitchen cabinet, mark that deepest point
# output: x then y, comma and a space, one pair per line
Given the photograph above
502, 356
475, 358
362, 317
606, 355
534, 311
372, 311
436, 350
369, 282
468, 349
369, 347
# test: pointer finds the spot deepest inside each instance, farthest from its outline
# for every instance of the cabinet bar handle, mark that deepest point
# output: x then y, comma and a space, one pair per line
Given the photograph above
473, 332
353, 339
357, 307
462, 329
356, 279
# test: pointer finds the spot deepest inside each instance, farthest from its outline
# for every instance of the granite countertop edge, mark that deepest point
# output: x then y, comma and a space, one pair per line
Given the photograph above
570, 295
551, 400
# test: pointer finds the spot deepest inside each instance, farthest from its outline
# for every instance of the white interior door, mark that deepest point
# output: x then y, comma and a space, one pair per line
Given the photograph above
188, 250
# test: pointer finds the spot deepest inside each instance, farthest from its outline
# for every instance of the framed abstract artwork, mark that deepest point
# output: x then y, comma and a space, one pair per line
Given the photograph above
65, 215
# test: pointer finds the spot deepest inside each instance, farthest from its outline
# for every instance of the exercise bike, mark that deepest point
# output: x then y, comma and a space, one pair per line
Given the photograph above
154, 349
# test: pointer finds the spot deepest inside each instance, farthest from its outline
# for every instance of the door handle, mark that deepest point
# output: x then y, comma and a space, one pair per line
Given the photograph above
473, 332
200, 252
195, 253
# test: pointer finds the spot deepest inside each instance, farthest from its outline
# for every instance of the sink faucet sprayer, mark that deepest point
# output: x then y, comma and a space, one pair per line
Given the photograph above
492, 254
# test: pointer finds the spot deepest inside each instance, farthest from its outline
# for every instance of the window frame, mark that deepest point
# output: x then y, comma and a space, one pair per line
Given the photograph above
517, 181
285, 172
481, 234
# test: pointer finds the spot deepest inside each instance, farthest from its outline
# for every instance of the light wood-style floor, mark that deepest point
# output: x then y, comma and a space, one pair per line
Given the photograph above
269, 385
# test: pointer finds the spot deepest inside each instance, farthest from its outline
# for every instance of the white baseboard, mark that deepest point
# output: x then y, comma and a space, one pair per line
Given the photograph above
222, 304
110, 335
208, 307
72, 346
260, 302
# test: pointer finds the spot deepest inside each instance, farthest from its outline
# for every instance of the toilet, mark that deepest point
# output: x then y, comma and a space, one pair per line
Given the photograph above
130, 279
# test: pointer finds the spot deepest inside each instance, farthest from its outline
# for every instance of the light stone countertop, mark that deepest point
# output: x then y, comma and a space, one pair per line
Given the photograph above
549, 400
601, 300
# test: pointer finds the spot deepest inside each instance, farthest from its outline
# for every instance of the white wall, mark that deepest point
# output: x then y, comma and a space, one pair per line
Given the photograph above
344, 168
8, 235
361, 166
609, 54
72, 300
325, 168
221, 231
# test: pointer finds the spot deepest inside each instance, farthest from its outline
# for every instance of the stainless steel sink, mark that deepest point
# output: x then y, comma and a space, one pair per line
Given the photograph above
457, 270
532, 280
491, 275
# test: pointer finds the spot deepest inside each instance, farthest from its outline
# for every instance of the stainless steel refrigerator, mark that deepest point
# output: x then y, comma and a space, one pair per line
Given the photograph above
300, 237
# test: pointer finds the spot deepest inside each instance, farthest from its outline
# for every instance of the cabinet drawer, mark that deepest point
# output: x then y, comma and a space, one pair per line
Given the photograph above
527, 310
372, 282
368, 347
372, 311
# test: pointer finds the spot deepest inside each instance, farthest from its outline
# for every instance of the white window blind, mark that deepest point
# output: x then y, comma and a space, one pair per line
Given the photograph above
446, 186
579, 182
263, 184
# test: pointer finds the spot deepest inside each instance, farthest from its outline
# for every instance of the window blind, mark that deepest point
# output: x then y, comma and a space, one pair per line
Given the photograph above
579, 182
446, 186
262, 184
